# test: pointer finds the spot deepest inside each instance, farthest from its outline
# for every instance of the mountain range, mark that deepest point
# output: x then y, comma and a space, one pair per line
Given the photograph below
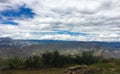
23, 48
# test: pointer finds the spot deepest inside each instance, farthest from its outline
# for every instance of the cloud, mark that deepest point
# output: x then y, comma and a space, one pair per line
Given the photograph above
3, 1
99, 19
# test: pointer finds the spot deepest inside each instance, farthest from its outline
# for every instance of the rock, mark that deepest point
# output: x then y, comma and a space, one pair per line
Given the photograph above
74, 69
83, 69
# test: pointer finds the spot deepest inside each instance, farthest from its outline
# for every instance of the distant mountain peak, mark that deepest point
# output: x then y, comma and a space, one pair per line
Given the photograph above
6, 39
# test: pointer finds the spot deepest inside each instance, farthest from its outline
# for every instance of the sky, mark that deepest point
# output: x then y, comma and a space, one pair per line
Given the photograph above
76, 20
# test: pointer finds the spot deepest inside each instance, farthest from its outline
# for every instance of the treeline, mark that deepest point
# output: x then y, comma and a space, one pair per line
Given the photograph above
52, 59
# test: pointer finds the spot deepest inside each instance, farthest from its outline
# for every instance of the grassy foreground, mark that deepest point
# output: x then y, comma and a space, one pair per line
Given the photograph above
55, 63
112, 67
43, 71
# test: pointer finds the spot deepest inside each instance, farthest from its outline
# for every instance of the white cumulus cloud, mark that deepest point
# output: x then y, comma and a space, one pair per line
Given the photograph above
99, 19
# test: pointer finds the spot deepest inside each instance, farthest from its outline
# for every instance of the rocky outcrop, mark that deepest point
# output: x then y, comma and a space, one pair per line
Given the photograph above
84, 69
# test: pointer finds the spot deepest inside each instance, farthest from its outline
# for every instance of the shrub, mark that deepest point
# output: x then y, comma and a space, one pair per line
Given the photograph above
33, 62
53, 59
15, 63
88, 58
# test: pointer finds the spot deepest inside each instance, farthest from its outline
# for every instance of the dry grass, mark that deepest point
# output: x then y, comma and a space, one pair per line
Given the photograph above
43, 71
109, 68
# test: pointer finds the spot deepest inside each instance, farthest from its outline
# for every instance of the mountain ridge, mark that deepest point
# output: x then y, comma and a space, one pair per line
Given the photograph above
12, 47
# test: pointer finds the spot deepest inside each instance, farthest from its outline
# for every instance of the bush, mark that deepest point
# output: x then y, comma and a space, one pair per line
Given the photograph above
53, 59
15, 63
46, 58
88, 58
33, 62
58, 60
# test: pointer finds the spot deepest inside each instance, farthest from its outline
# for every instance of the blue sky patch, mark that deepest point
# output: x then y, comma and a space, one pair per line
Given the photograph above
71, 33
21, 12
8, 22
10, 15
61, 32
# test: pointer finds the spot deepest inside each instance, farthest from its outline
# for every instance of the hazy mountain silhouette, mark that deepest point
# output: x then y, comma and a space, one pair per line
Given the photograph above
10, 47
